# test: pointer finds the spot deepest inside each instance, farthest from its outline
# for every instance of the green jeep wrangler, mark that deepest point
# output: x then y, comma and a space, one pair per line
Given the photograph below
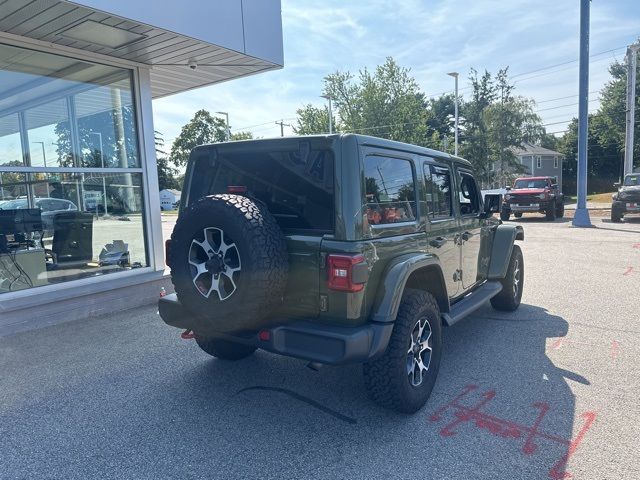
337, 249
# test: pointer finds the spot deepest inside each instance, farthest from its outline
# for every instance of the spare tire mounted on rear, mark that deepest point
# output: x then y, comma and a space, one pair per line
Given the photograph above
228, 263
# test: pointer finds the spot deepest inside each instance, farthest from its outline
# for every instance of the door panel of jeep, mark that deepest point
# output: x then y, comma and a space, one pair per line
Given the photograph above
443, 226
469, 205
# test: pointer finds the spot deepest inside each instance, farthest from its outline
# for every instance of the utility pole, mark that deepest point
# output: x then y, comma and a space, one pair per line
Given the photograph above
282, 125
227, 132
581, 216
632, 56
328, 97
455, 148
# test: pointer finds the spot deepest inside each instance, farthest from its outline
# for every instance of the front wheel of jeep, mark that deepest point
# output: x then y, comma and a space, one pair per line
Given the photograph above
511, 294
504, 215
403, 377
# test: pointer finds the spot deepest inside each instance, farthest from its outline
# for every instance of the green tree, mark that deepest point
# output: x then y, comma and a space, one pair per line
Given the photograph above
496, 123
386, 103
606, 129
203, 128
313, 120
241, 136
167, 173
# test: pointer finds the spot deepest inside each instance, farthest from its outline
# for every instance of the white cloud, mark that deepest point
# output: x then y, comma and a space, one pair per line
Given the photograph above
431, 37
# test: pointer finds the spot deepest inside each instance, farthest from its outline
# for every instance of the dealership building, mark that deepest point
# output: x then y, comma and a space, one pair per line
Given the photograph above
80, 224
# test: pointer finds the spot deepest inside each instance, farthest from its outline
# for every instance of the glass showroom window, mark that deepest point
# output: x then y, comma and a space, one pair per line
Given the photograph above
71, 199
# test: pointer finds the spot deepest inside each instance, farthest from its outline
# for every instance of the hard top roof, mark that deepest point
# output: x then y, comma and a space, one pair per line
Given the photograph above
361, 139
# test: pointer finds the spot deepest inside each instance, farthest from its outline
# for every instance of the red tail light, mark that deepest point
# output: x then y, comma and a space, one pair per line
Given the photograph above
167, 252
237, 189
347, 273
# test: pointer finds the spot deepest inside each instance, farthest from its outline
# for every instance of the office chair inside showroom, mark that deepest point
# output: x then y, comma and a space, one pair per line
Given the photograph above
72, 240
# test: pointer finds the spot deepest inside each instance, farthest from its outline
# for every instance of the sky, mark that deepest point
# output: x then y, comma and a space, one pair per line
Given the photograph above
431, 37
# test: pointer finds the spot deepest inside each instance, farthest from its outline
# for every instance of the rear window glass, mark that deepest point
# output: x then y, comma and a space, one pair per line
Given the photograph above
390, 191
296, 186
438, 189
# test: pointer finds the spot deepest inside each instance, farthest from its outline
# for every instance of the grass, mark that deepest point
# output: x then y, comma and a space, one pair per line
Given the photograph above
594, 197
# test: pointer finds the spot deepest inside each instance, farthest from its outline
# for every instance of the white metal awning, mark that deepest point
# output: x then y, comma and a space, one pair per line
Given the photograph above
227, 40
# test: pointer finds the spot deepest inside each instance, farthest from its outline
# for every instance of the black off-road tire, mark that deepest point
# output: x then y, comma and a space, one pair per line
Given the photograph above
560, 210
504, 215
518, 214
262, 255
551, 213
386, 378
224, 349
616, 217
508, 300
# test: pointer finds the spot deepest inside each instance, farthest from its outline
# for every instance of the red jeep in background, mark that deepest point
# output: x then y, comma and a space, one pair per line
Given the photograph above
533, 194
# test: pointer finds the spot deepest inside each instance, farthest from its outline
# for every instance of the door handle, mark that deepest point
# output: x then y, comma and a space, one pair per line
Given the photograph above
437, 242
466, 236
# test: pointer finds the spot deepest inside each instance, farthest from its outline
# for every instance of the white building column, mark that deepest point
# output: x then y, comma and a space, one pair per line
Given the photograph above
151, 188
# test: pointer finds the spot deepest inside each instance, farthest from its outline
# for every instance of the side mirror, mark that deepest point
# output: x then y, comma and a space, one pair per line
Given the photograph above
617, 184
554, 185
492, 204
507, 188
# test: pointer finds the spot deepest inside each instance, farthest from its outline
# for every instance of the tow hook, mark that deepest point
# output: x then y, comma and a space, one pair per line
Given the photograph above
187, 335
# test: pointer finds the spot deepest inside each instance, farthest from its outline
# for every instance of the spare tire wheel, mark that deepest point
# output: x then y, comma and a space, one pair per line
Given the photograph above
228, 263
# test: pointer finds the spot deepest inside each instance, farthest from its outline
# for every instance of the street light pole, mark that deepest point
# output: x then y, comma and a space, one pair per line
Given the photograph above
581, 216
227, 134
328, 97
632, 56
455, 148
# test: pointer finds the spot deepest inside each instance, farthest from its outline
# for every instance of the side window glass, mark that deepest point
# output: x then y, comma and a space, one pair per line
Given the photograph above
438, 190
469, 198
390, 191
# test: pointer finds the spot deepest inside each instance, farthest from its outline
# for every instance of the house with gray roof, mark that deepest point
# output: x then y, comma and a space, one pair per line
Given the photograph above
536, 161
540, 162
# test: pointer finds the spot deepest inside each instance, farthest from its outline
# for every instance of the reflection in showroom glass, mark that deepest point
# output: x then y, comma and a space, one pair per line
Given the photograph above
60, 227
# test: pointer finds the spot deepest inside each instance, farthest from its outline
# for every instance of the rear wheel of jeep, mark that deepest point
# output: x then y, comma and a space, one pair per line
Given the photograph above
504, 215
228, 263
224, 349
511, 294
403, 377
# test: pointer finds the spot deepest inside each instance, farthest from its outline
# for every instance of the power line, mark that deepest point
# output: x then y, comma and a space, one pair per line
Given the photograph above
543, 68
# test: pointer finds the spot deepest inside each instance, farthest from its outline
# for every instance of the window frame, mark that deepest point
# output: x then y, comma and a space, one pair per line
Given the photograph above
390, 229
466, 171
556, 162
452, 213
539, 162
140, 90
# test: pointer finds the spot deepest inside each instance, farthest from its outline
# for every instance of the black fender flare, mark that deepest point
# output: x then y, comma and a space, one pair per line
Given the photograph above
503, 241
397, 273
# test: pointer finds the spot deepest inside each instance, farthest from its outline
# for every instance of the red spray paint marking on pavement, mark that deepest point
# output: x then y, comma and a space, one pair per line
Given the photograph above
557, 344
504, 428
636, 245
614, 349
628, 271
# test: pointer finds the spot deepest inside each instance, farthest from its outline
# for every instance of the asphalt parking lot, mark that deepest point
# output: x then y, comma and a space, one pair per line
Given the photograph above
543, 392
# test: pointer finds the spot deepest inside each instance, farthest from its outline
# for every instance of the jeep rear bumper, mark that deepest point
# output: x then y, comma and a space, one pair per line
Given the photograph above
328, 344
